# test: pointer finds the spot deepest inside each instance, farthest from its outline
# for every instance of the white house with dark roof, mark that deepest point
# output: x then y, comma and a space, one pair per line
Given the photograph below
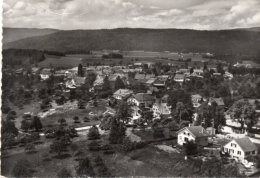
193, 133
141, 98
240, 148
122, 94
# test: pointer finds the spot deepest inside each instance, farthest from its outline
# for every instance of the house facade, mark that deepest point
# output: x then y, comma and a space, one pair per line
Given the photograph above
240, 148
197, 134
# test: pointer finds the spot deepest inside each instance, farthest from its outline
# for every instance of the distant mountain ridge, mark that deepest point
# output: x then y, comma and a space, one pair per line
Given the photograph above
234, 41
14, 34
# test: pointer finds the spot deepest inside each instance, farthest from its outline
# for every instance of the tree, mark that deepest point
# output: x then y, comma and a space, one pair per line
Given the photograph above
9, 127
244, 112
80, 70
106, 84
25, 125
179, 96
117, 132
93, 133
123, 112
182, 112
119, 84
36, 123
102, 170
91, 77
64, 173
58, 146
22, 168
94, 146
8, 140
220, 68
85, 168
190, 148
76, 119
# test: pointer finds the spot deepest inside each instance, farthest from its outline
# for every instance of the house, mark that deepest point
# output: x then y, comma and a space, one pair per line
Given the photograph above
161, 109
228, 76
144, 99
179, 78
59, 73
240, 148
45, 73
75, 82
122, 94
196, 99
219, 102
161, 81
193, 133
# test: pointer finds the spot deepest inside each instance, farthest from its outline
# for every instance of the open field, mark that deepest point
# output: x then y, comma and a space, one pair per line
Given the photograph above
63, 62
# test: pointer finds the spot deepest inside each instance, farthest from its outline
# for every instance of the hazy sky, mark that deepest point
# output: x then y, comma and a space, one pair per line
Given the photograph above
96, 14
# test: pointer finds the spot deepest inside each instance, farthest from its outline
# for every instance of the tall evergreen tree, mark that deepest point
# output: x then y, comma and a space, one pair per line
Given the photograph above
80, 70
119, 83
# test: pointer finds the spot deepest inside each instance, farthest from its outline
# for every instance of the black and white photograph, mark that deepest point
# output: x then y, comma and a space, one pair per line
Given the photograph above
130, 88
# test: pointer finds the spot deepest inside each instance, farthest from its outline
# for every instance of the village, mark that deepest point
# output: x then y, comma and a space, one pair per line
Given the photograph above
150, 116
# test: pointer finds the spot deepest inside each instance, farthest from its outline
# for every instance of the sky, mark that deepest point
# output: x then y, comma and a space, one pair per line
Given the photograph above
107, 14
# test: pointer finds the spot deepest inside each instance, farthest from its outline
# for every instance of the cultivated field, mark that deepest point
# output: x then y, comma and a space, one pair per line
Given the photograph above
62, 62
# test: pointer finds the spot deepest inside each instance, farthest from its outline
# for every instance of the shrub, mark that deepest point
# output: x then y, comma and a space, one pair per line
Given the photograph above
94, 146
76, 119
93, 133
190, 148
85, 168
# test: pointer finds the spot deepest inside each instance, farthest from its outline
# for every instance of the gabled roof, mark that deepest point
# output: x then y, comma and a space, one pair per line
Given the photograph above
246, 144
219, 101
143, 97
196, 131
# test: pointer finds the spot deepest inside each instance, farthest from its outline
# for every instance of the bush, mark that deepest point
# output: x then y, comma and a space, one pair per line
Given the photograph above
190, 148
93, 133
76, 119
85, 168
94, 146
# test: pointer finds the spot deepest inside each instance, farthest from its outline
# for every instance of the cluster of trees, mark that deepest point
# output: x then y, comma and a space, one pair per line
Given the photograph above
244, 113
14, 57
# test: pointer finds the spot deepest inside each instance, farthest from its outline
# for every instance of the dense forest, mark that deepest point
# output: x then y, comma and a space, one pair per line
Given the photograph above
181, 40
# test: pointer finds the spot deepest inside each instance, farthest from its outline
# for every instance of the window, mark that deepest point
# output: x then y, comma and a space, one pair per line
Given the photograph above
247, 153
188, 134
184, 133
253, 152
239, 152
180, 137
186, 139
233, 145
